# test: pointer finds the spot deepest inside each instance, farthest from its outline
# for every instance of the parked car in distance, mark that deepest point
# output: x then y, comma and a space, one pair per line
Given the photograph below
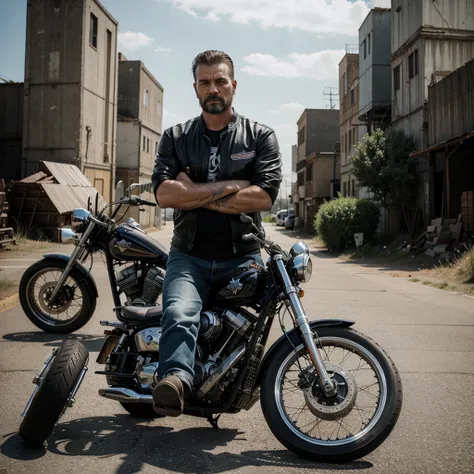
290, 221
281, 215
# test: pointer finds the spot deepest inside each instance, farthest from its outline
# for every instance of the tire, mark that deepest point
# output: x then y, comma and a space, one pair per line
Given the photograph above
323, 452
33, 312
53, 393
141, 410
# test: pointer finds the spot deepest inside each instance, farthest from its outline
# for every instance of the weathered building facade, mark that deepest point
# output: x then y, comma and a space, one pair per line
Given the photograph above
429, 40
11, 129
375, 71
71, 88
318, 132
450, 150
350, 131
139, 129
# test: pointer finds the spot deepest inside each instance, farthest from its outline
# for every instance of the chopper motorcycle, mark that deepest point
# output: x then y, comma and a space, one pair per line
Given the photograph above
327, 392
58, 293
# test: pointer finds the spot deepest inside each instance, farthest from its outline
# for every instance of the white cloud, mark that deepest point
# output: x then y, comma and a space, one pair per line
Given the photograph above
133, 41
285, 131
322, 65
172, 118
335, 17
161, 49
290, 107
382, 3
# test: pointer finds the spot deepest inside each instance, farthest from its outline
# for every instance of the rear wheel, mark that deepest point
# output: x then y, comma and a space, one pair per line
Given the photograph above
56, 385
347, 426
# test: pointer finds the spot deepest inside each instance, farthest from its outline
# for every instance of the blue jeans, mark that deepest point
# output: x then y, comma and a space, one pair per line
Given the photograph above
188, 284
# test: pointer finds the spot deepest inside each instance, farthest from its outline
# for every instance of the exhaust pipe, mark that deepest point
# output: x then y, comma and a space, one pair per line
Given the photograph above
127, 395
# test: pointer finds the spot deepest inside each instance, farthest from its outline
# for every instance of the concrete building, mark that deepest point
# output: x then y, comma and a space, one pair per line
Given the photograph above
450, 150
375, 70
429, 40
11, 129
71, 89
350, 130
139, 129
318, 132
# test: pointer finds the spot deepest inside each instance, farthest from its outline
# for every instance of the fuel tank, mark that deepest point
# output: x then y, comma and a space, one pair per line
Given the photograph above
242, 289
128, 244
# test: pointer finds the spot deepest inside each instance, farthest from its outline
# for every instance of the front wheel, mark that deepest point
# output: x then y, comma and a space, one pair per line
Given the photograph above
347, 426
72, 308
56, 386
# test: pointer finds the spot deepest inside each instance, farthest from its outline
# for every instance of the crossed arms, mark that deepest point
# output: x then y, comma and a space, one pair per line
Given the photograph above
175, 189
228, 197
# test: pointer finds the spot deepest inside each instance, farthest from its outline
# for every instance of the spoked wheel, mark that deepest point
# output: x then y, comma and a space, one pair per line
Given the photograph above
72, 307
346, 426
56, 386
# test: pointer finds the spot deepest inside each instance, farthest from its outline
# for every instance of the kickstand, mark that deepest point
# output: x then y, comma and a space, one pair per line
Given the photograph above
213, 421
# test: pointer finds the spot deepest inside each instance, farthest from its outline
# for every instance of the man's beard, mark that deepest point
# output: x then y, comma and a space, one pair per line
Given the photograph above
216, 107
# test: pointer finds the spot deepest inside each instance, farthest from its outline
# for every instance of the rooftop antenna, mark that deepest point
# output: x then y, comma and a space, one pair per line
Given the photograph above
333, 95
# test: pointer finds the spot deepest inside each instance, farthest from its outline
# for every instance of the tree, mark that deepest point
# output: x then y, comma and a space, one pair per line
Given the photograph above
382, 163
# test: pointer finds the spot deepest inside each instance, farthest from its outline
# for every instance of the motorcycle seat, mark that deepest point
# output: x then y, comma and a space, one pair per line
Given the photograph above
142, 313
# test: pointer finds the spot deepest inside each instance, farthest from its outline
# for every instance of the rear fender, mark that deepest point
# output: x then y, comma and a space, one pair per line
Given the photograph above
79, 267
295, 337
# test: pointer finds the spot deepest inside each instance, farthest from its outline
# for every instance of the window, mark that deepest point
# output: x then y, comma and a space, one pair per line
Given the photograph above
145, 97
156, 148
309, 173
413, 68
352, 96
148, 145
347, 144
158, 108
364, 46
93, 31
344, 189
301, 136
350, 141
144, 143
344, 85
396, 78
368, 43
301, 178
354, 137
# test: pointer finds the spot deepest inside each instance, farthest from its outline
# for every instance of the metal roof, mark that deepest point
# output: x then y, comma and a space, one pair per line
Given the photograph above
66, 198
65, 174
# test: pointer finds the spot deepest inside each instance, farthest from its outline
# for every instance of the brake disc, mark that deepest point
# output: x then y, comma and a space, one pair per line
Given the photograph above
62, 302
337, 406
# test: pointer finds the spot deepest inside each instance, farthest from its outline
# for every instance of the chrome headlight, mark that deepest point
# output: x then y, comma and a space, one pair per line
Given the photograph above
79, 220
301, 268
300, 248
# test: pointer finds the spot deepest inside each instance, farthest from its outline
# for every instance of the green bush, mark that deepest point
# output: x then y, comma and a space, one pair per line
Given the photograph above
268, 219
337, 221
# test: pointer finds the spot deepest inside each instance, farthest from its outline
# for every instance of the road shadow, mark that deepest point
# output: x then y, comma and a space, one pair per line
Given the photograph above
139, 444
92, 342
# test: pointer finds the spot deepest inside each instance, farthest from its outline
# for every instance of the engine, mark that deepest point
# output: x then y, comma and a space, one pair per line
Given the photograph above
220, 334
141, 285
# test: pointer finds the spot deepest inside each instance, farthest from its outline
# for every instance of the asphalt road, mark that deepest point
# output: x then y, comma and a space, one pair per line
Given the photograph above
428, 332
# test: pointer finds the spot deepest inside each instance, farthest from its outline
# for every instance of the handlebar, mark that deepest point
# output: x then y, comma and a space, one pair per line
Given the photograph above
136, 201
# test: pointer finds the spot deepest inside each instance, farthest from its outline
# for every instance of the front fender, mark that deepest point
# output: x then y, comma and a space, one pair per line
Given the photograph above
79, 266
295, 337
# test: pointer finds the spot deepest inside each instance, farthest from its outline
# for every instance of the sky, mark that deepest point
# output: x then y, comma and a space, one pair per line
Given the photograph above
286, 53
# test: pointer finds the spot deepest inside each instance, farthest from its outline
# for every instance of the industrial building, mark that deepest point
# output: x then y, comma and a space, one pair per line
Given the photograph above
70, 89
429, 41
316, 158
139, 129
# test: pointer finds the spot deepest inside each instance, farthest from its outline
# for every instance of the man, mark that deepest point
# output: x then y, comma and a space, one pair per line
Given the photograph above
209, 169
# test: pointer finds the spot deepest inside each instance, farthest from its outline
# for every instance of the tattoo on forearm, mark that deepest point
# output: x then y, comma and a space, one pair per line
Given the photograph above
216, 192
225, 201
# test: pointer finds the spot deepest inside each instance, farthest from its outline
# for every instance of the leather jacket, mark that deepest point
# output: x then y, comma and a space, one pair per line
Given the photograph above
248, 151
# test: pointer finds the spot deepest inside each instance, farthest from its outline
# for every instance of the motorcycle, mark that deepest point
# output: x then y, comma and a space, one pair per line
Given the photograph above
327, 392
58, 293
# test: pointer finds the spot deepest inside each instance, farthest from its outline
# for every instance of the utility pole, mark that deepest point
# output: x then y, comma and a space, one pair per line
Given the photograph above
333, 95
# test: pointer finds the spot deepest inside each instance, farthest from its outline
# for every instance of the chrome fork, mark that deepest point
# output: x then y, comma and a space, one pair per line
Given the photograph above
75, 256
302, 323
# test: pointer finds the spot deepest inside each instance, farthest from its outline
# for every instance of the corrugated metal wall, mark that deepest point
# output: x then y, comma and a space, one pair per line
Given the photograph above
451, 105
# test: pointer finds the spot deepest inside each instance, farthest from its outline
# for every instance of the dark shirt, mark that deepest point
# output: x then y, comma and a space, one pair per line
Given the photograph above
213, 234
